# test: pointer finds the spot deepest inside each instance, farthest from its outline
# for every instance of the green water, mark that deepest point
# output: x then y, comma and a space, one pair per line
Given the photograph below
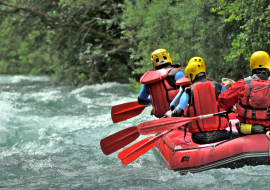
49, 139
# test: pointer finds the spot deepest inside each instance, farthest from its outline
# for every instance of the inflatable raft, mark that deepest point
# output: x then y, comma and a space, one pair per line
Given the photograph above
183, 155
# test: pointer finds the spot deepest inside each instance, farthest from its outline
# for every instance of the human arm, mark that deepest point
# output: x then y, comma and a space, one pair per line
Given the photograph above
179, 110
144, 96
228, 98
176, 99
175, 102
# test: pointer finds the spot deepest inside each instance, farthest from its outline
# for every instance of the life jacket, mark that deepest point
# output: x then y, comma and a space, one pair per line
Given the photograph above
255, 105
162, 88
202, 101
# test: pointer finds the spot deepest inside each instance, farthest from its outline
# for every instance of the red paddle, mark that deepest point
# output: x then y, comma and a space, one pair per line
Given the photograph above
126, 111
118, 140
164, 124
135, 151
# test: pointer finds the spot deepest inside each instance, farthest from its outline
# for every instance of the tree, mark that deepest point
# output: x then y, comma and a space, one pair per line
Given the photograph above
186, 29
79, 40
252, 18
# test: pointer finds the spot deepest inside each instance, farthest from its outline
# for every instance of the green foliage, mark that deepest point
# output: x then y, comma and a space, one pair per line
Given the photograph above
252, 18
186, 29
83, 42
77, 41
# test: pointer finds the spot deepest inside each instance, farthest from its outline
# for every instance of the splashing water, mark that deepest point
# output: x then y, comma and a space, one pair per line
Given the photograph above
49, 139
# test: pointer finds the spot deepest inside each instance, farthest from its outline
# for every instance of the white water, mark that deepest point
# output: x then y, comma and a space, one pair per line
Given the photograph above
49, 139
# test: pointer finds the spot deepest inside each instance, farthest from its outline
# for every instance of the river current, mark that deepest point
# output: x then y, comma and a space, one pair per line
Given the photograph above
49, 139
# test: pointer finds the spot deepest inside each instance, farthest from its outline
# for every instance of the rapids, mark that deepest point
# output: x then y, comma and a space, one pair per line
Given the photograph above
49, 139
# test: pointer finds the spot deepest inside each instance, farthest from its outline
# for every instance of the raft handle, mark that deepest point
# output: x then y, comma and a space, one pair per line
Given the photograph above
185, 157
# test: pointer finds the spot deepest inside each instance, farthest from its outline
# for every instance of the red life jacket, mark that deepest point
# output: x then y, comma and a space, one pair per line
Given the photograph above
161, 92
255, 105
202, 101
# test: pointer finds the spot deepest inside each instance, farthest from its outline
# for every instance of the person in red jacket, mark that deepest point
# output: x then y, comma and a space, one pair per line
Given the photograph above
160, 84
200, 99
252, 94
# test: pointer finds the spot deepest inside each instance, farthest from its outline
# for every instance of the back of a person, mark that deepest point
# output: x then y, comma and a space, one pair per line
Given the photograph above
202, 100
252, 93
254, 107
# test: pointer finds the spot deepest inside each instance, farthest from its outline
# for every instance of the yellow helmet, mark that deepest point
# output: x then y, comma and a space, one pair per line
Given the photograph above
259, 59
193, 69
197, 59
160, 57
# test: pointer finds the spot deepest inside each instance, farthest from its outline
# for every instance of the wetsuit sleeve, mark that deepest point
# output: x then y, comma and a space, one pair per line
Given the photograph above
144, 96
176, 99
183, 101
228, 98
179, 75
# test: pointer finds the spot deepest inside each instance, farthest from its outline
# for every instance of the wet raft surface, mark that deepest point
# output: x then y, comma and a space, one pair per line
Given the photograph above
183, 155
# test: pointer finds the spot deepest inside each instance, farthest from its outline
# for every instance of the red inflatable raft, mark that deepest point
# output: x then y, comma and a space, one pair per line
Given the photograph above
184, 156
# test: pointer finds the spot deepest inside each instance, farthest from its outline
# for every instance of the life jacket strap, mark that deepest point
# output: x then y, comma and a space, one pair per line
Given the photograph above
194, 109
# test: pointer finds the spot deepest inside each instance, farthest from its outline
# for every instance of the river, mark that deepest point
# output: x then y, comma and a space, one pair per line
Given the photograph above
49, 138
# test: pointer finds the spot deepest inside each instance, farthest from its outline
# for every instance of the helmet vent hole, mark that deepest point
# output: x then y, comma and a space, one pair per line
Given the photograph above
157, 60
164, 57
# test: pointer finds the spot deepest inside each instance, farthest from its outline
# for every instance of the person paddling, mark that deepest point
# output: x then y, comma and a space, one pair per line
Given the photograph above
176, 100
253, 110
160, 84
200, 60
201, 97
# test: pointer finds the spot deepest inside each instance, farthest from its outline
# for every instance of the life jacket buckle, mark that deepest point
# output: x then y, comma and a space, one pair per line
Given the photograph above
268, 113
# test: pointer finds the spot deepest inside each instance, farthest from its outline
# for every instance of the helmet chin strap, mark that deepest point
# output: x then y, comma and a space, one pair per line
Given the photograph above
261, 71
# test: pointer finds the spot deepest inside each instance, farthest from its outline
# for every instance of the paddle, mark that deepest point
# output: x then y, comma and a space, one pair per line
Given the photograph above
126, 111
118, 140
164, 124
135, 151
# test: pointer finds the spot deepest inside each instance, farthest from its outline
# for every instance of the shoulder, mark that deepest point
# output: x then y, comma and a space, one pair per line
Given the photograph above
218, 85
188, 90
209, 79
174, 71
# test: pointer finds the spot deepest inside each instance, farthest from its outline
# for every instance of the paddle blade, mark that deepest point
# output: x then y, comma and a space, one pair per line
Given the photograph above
164, 124
126, 111
135, 151
118, 140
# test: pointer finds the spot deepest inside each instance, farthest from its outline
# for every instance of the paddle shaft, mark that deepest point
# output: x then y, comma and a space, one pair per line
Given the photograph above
214, 114
165, 124
133, 152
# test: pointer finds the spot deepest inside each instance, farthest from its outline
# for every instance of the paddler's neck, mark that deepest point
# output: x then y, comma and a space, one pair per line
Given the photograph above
260, 76
200, 79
